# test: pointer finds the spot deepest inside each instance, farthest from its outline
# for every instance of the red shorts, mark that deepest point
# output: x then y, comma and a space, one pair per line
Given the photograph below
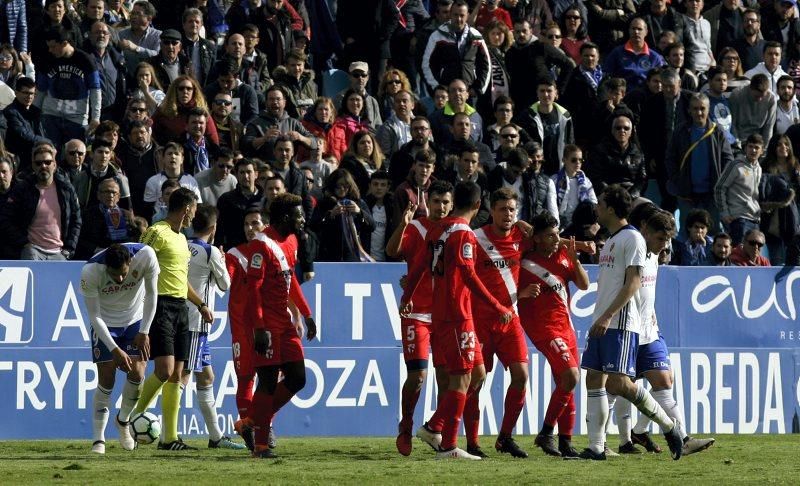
416, 340
458, 344
561, 351
285, 347
243, 352
506, 341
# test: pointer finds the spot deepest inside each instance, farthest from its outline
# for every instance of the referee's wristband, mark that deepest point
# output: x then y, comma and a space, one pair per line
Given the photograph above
201, 305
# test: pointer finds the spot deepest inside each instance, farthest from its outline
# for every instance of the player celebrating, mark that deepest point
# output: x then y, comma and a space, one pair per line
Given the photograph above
275, 338
236, 260
500, 247
169, 334
119, 286
408, 242
652, 360
451, 246
610, 355
207, 273
546, 320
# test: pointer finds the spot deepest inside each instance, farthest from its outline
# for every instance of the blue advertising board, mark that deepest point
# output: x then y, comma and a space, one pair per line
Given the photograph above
733, 334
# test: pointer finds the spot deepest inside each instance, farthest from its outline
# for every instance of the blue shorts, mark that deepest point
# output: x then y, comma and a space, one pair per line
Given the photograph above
123, 336
653, 356
199, 352
614, 352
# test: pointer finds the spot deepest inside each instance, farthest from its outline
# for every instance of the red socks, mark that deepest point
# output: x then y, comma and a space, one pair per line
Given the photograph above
452, 408
472, 416
261, 416
409, 403
515, 400
244, 395
566, 422
558, 403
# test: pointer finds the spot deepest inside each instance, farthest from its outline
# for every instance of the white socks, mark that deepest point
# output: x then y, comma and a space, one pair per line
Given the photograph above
596, 418
622, 411
130, 395
670, 406
100, 415
207, 407
650, 407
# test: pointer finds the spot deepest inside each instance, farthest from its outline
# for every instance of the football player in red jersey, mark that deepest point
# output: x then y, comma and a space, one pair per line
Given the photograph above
451, 245
236, 260
546, 320
499, 250
275, 339
408, 243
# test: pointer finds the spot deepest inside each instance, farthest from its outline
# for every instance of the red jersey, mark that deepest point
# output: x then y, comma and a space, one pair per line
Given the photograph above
497, 266
451, 247
236, 261
271, 272
414, 250
547, 314
289, 244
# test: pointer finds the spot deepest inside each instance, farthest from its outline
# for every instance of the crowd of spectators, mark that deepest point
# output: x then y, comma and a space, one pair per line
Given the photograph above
358, 106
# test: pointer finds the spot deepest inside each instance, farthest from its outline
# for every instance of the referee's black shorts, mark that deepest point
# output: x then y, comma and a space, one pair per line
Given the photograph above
169, 333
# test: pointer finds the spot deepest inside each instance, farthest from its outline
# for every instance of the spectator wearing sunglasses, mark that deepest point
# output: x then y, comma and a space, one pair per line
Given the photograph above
217, 179
748, 254
170, 62
24, 123
230, 130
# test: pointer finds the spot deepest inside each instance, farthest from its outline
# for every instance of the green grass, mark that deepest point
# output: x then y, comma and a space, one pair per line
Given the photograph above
734, 459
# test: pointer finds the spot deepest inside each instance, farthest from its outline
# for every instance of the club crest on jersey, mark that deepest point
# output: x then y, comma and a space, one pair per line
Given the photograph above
135, 273
516, 246
612, 247
256, 261
466, 250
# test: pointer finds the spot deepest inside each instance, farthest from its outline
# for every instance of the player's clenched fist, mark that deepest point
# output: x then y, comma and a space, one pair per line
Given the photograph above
406, 308
506, 317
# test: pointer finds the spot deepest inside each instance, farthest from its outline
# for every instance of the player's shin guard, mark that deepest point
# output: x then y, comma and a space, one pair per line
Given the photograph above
261, 413
515, 400
648, 406
150, 388
671, 408
558, 402
244, 394
410, 397
130, 395
100, 402
452, 408
566, 421
622, 411
472, 416
596, 418
207, 407
170, 406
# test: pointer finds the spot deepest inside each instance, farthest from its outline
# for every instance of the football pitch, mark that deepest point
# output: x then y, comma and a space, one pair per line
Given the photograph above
734, 459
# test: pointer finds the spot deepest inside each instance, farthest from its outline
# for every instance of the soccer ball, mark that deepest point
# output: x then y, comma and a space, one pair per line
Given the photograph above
145, 428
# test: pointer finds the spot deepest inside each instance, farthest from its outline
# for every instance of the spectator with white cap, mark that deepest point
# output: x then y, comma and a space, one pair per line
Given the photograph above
359, 79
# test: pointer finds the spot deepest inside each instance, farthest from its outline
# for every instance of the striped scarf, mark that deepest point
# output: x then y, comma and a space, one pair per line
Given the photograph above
562, 184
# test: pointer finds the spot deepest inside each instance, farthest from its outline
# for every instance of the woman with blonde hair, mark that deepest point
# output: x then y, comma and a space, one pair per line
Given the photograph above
172, 117
319, 121
362, 158
148, 87
391, 83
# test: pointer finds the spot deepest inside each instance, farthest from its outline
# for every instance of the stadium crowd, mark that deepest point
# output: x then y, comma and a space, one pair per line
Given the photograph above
690, 104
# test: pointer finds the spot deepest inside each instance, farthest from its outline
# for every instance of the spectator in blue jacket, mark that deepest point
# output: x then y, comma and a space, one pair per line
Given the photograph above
633, 59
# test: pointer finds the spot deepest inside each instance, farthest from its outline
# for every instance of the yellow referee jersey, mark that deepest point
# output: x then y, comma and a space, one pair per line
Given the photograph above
172, 251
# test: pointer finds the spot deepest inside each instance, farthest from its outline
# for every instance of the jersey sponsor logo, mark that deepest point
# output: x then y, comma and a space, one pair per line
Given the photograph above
256, 261
16, 305
466, 251
510, 263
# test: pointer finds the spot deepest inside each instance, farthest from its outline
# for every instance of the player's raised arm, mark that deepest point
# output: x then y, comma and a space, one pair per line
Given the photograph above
581, 278
395, 241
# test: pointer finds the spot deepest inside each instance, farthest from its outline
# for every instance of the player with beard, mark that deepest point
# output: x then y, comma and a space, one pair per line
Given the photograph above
500, 247
276, 341
451, 247
408, 243
546, 320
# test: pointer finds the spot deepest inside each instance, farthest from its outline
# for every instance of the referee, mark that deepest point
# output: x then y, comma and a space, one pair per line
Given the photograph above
168, 341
